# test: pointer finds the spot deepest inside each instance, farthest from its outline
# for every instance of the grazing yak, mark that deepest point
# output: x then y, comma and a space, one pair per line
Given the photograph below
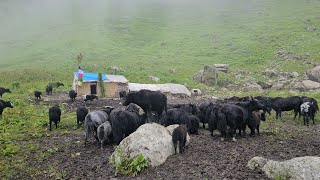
72, 95
4, 90
81, 112
190, 108
54, 115
308, 111
312, 100
257, 117
3, 105
280, 104
122, 94
176, 116
91, 123
56, 84
104, 133
125, 122
248, 107
90, 97
37, 94
149, 101
49, 89
179, 134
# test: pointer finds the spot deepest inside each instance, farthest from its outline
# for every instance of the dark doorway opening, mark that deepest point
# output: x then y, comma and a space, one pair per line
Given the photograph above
93, 88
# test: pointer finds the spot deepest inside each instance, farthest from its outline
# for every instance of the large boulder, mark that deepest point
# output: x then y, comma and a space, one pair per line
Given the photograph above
314, 74
310, 85
153, 141
208, 75
307, 167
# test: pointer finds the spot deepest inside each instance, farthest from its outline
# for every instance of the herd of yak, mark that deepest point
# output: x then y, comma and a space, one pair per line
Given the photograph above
227, 116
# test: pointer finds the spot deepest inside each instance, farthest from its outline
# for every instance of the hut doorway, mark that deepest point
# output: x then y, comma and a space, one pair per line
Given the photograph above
93, 88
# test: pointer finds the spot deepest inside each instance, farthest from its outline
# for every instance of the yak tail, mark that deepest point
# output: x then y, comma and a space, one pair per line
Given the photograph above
101, 132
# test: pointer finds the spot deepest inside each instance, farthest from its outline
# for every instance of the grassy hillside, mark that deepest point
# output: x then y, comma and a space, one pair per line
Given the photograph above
151, 37
40, 39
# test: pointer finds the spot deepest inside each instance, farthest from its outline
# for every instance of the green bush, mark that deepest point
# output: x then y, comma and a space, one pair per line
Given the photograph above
127, 164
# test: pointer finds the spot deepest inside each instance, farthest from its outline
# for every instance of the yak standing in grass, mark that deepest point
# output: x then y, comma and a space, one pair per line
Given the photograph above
56, 84
3, 105
90, 97
82, 112
308, 111
4, 90
280, 104
179, 134
125, 122
149, 101
72, 95
54, 115
49, 89
37, 94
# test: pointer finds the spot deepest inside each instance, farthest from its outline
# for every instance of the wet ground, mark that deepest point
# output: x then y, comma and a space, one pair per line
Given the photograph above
206, 157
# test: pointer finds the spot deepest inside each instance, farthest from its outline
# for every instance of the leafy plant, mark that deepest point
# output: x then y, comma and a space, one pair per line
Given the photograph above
101, 84
127, 164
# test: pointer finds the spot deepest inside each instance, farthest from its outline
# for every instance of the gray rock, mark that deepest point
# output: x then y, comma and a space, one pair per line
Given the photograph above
310, 85
152, 140
152, 78
264, 85
198, 76
222, 67
314, 74
270, 73
172, 71
299, 168
252, 87
209, 76
278, 86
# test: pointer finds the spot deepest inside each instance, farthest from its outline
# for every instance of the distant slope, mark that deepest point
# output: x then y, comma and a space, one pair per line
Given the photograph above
146, 37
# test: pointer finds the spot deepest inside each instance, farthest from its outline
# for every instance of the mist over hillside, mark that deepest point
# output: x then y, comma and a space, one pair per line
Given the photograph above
149, 37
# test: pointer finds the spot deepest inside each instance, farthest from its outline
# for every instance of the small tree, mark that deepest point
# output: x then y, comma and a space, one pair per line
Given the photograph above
101, 85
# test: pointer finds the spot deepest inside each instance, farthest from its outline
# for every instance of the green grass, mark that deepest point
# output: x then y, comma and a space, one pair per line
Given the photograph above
39, 42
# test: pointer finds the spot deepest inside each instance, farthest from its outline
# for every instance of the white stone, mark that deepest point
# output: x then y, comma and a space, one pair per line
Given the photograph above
299, 168
152, 140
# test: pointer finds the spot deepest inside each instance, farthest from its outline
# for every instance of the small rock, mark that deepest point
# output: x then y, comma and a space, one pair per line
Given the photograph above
152, 78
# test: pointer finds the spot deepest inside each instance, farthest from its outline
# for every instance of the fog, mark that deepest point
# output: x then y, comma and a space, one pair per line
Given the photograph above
33, 30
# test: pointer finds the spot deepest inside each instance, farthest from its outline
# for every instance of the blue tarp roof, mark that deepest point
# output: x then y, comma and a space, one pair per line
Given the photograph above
91, 76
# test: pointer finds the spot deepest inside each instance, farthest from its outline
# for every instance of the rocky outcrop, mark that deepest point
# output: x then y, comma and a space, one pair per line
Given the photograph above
310, 85
314, 74
208, 76
153, 141
307, 167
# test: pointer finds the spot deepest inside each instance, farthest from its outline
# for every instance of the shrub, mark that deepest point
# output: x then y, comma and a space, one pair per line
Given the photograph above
127, 164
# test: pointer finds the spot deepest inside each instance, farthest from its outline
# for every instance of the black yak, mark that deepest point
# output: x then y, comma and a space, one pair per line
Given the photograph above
280, 104
49, 89
148, 101
5, 104
123, 123
90, 97
4, 90
72, 95
37, 94
81, 112
54, 115
179, 134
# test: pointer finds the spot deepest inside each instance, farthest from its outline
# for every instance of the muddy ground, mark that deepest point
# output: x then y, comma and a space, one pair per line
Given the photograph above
206, 157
